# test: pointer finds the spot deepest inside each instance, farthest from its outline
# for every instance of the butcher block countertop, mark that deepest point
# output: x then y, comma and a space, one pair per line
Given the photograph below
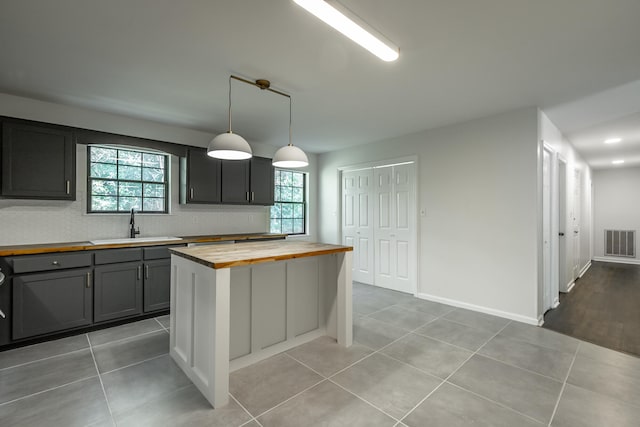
87, 246
239, 254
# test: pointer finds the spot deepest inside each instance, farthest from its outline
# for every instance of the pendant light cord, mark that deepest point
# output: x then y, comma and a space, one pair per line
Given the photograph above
290, 120
230, 104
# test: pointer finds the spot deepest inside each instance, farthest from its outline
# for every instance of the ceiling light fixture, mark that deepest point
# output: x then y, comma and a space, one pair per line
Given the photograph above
612, 140
375, 44
286, 157
229, 145
617, 162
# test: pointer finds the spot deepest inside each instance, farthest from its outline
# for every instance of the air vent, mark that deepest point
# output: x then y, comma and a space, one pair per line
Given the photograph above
620, 243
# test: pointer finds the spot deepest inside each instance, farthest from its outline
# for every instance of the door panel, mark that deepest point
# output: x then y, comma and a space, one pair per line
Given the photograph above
357, 218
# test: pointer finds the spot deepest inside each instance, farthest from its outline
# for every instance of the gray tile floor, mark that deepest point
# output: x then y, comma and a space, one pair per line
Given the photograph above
414, 363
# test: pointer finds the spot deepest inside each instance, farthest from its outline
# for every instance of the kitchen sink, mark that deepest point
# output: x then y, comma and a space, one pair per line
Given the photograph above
133, 240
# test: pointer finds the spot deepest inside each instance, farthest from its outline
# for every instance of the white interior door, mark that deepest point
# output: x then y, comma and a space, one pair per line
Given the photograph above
395, 227
357, 221
546, 230
576, 223
563, 274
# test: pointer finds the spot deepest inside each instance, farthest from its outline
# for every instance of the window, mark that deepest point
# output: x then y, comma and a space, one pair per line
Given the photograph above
123, 179
288, 213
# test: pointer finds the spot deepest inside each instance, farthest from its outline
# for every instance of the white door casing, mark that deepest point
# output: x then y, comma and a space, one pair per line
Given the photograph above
576, 223
546, 229
357, 221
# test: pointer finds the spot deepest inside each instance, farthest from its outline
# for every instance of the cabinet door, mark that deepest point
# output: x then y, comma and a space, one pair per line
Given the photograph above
262, 181
51, 302
157, 284
235, 181
203, 177
38, 162
118, 291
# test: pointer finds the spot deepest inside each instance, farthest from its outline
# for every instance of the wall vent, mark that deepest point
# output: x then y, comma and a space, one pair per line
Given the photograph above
620, 243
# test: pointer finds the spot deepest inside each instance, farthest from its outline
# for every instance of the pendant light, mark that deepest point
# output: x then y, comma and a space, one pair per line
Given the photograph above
290, 156
229, 145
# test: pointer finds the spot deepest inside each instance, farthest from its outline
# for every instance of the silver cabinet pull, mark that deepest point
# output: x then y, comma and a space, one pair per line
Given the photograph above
139, 271
56, 263
247, 196
68, 186
2, 314
146, 271
191, 193
88, 280
253, 196
1, 282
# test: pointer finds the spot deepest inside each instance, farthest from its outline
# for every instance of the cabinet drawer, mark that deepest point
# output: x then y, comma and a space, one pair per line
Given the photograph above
111, 256
158, 252
31, 263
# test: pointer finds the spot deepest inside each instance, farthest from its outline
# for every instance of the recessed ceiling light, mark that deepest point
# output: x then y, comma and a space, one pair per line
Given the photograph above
617, 162
612, 140
375, 44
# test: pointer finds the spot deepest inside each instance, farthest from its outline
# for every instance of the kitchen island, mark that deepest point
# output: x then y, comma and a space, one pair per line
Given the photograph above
233, 305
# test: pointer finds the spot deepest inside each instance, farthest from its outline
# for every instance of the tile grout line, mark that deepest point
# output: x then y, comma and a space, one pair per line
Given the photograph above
104, 392
397, 420
44, 358
49, 389
127, 338
564, 384
451, 374
290, 398
134, 364
161, 325
245, 409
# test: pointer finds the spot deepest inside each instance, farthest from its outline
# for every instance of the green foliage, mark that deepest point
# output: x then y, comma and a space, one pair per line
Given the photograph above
288, 213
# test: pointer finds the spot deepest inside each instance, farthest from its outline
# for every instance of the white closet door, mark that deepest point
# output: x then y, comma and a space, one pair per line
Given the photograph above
394, 232
357, 220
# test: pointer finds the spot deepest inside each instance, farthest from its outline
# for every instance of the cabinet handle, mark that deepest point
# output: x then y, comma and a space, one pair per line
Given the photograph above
88, 280
191, 193
247, 196
139, 271
2, 314
68, 186
253, 196
56, 263
146, 271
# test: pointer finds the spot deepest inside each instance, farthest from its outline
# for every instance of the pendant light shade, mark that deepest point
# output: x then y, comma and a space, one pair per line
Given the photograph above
229, 146
290, 157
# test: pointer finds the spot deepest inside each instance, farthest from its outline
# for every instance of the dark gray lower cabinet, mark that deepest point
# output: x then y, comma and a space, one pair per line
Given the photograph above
118, 291
50, 302
157, 284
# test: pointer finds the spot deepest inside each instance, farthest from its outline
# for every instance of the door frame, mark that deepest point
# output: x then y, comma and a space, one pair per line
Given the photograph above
554, 244
416, 224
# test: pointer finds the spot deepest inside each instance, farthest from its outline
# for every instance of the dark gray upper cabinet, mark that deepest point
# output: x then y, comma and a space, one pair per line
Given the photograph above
262, 181
118, 291
235, 181
248, 181
38, 161
200, 177
50, 302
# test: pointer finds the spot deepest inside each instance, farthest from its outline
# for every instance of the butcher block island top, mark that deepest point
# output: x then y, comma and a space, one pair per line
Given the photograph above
239, 254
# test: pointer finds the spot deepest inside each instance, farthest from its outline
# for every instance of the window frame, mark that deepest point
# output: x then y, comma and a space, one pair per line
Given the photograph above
119, 148
305, 203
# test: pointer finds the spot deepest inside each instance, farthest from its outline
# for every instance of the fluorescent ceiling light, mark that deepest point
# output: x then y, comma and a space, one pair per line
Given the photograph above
617, 162
338, 20
612, 140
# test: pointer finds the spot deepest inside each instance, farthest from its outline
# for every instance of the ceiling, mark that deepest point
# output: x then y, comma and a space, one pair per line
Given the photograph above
169, 61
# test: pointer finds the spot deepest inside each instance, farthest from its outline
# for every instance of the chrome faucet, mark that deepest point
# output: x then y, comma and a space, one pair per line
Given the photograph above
132, 222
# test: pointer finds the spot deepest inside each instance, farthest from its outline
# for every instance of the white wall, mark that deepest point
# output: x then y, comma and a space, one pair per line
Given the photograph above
477, 182
30, 221
552, 136
616, 206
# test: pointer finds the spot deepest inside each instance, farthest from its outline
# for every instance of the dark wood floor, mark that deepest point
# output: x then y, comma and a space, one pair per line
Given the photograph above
603, 308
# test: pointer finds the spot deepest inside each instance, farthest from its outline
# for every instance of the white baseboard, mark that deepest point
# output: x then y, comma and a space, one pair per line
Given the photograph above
556, 303
617, 260
584, 269
541, 320
570, 286
481, 309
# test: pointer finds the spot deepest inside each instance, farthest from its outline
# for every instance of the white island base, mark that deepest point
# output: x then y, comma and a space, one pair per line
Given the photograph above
223, 319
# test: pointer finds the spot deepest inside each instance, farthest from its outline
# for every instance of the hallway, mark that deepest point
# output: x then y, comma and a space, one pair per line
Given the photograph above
602, 308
